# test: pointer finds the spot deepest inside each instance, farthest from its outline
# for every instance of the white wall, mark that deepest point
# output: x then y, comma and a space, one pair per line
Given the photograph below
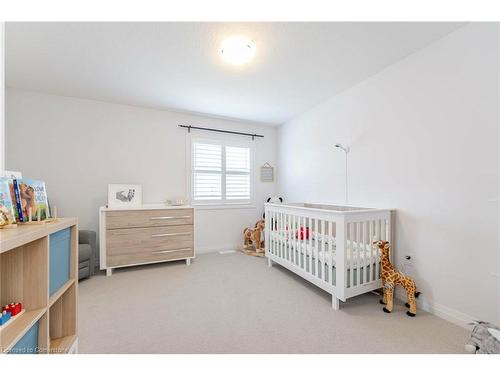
79, 146
424, 140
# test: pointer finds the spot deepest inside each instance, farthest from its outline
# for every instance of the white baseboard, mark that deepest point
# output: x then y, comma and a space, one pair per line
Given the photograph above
446, 313
215, 249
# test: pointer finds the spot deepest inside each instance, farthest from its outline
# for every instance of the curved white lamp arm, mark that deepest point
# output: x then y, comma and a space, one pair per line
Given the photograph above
346, 150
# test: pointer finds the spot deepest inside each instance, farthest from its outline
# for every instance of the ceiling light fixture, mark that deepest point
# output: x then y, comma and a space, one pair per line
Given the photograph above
237, 50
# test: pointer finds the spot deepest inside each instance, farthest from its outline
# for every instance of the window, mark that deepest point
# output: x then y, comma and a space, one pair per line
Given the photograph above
221, 172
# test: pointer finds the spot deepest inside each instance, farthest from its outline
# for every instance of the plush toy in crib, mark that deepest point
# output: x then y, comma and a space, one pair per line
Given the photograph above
302, 233
391, 278
484, 339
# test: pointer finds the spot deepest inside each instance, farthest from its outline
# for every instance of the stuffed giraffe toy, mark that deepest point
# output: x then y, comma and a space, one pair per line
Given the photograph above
391, 278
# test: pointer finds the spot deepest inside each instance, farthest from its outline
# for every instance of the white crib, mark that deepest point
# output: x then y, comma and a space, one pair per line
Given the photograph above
330, 246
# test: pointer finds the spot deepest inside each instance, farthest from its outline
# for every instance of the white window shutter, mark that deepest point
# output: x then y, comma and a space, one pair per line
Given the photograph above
221, 173
237, 159
237, 173
207, 171
207, 157
237, 187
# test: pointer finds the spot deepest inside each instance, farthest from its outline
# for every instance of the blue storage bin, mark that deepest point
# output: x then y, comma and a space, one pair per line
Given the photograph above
28, 344
60, 247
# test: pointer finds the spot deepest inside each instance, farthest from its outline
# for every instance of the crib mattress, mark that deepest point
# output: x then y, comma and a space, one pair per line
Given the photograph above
367, 260
358, 253
367, 272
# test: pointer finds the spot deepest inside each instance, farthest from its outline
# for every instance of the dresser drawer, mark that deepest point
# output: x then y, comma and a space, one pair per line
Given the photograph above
148, 240
147, 218
149, 257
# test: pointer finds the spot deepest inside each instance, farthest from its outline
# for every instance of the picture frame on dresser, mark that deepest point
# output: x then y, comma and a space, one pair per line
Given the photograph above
124, 195
151, 233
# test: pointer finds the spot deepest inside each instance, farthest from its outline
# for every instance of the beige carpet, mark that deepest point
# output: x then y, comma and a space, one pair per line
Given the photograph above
234, 303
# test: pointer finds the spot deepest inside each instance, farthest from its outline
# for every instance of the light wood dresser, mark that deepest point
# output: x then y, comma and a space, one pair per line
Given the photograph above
149, 234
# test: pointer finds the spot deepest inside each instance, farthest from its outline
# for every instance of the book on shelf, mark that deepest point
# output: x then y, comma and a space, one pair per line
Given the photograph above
7, 198
31, 194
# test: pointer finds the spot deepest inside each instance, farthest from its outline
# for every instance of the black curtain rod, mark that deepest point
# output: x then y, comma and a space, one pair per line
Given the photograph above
189, 127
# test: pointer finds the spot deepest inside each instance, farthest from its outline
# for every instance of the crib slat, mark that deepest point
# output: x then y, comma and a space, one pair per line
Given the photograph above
363, 251
351, 255
317, 263
274, 230
302, 243
269, 232
283, 236
292, 236
370, 242
299, 241
286, 242
377, 255
330, 252
358, 253
277, 225
366, 246
282, 233
323, 249
294, 243
296, 240
316, 247
286, 232
309, 247
287, 238
273, 233
355, 253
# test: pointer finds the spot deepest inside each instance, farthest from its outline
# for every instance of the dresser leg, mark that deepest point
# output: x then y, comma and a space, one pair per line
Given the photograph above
109, 271
188, 261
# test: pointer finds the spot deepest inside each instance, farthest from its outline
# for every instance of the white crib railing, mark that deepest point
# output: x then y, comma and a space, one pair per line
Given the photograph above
330, 246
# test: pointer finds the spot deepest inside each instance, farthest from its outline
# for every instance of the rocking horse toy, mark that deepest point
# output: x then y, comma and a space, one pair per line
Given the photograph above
391, 278
254, 236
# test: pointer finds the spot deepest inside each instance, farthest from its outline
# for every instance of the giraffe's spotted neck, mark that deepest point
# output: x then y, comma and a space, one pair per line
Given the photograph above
386, 262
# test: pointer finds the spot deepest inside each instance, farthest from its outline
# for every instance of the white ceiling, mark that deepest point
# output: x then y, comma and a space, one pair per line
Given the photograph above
176, 65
